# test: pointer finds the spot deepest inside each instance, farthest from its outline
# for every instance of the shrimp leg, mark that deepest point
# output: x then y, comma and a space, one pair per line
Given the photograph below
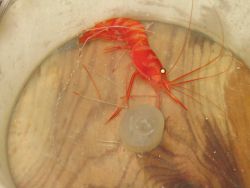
127, 96
158, 100
176, 100
93, 81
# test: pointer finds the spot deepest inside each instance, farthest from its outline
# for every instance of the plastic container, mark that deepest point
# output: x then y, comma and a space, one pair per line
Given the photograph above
29, 30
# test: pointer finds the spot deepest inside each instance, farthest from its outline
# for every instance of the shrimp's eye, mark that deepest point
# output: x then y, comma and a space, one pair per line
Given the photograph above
163, 71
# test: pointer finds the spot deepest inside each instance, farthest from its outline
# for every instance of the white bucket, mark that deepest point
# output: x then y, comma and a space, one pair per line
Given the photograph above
29, 30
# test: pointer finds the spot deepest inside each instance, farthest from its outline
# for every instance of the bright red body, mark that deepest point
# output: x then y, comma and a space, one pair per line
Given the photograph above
147, 66
133, 34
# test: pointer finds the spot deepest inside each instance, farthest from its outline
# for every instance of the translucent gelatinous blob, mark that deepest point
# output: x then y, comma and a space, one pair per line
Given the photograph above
141, 128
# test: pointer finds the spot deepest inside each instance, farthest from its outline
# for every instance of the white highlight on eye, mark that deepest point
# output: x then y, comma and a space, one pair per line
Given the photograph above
163, 71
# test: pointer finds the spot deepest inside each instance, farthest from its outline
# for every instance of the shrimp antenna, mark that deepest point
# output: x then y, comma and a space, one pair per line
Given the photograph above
188, 95
215, 59
120, 26
198, 94
201, 78
185, 41
180, 85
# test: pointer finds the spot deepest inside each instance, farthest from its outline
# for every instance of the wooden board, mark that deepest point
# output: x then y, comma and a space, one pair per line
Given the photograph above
59, 140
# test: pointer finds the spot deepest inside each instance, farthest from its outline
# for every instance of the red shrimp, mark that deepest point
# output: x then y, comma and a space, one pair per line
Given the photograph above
147, 65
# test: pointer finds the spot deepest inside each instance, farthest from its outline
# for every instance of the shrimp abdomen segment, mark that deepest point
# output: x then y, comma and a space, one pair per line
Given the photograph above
146, 61
116, 29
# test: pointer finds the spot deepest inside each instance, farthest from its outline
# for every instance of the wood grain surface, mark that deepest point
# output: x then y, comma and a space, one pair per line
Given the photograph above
59, 140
